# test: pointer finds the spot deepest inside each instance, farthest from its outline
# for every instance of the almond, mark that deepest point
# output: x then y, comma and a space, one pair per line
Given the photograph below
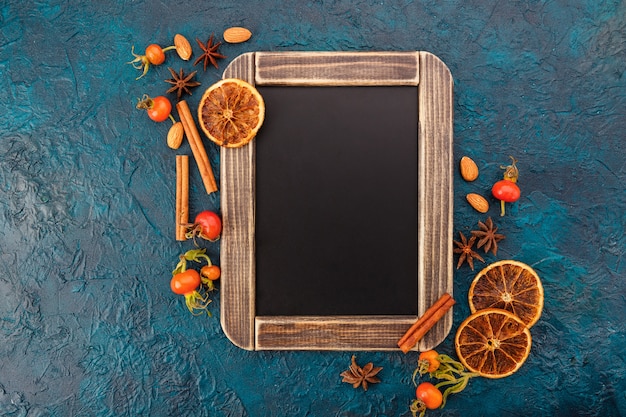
175, 135
469, 169
183, 48
237, 35
477, 201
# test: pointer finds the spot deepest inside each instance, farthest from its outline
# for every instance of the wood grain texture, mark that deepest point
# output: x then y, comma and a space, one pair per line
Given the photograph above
330, 333
332, 68
435, 203
237, 183
435, 190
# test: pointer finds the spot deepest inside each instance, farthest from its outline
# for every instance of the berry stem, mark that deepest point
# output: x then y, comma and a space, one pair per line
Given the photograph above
511, 172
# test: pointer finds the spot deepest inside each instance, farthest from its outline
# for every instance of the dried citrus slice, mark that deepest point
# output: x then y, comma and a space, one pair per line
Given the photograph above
493, 342
230, 113
509, 285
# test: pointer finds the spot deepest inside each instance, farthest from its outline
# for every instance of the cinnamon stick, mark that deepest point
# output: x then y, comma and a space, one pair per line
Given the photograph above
197, 147
182, 195
426, 322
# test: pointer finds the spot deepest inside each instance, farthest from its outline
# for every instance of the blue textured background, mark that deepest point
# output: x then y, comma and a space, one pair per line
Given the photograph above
88, 326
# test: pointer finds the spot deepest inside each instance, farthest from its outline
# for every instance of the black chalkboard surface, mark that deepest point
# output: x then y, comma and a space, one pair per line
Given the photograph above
336, 201
338, 216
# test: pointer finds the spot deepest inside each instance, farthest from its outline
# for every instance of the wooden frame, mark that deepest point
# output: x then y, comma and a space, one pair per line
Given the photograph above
435, 207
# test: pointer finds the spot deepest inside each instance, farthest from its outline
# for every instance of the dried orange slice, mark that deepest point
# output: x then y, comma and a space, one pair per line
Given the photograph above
493, 343
509, 285
230, 113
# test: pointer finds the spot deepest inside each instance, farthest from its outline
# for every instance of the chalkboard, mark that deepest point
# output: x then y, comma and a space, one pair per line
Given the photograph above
336, 201
338, 216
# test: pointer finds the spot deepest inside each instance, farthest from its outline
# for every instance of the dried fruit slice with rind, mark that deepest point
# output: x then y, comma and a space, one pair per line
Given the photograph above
231, 112
493, 343
509, 285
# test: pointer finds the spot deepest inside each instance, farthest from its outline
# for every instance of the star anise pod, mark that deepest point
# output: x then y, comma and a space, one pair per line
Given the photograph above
210, 53
358, 376
464, 247
181, 82
488, 238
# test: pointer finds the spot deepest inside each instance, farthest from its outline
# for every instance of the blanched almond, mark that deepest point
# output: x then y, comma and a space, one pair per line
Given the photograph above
477, 201
237, 35
183, 48
469, 169
175, 135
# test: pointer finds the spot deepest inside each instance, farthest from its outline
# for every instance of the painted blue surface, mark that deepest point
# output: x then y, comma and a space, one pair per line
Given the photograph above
88, 326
